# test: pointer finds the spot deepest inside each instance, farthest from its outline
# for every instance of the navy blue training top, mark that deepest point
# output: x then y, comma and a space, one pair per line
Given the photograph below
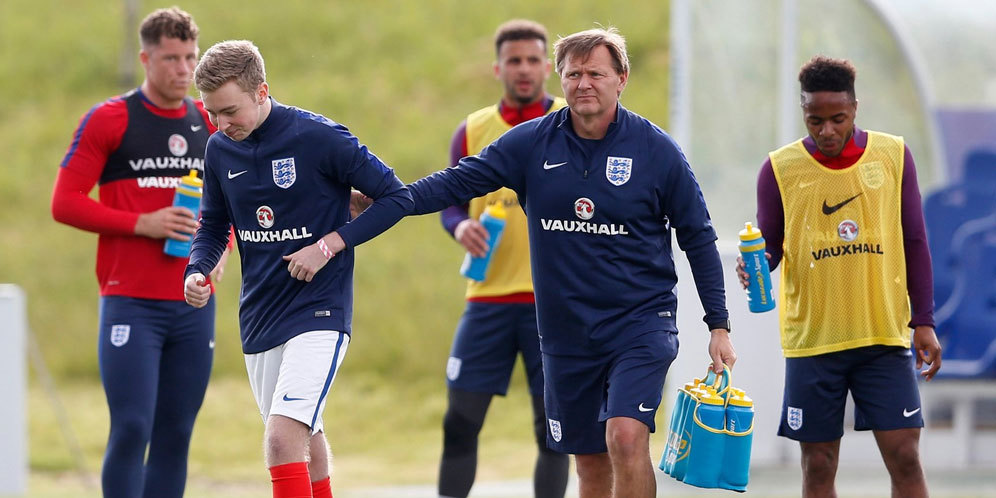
282, 188
600, 215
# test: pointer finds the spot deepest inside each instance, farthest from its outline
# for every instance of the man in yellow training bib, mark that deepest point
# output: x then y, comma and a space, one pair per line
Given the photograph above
841, 212
499, 322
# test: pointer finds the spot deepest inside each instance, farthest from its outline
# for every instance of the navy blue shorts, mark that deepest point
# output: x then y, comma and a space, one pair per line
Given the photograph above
583, 392
487, 341
882, 382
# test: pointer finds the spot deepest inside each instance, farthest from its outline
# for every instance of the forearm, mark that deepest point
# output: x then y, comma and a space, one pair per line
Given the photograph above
209, 243
919, 274
453, 216
450, 187
770, 214
707, 271
72, 206
381, 215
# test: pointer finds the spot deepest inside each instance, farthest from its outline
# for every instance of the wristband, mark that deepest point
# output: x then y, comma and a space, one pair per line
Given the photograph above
325, 249
725, 324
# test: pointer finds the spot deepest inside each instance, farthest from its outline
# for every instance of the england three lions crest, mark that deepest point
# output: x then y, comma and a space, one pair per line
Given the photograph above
794, 418
555, 432
284, 173
618, 170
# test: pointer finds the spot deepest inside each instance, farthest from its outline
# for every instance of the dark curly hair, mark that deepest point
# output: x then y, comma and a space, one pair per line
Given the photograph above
519, 29
171, 23
825, 74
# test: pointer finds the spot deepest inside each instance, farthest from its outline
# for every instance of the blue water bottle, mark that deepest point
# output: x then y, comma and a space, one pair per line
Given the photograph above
674, 430
740, 434
708, 443
759, 297
188, 195
493, 220
679, 463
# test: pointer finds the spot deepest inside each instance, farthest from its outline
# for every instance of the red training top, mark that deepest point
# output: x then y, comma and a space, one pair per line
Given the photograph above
137, 152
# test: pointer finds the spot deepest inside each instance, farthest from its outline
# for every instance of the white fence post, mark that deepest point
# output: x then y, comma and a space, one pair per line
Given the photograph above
13, 391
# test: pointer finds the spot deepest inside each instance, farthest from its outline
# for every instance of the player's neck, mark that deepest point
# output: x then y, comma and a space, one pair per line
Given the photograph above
264, 111
159, 100
512, 103
593, 127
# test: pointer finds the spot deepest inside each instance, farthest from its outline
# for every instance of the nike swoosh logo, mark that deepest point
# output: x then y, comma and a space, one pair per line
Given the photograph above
196, 127
908, 414
644, 409
292, 399
547, 165
211, 344
233, 175
833, 209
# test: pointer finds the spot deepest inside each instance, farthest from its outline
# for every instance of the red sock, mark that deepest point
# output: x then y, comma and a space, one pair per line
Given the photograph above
291, 480
322, 488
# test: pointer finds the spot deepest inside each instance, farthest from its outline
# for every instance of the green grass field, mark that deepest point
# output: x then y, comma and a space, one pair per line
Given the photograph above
401, 75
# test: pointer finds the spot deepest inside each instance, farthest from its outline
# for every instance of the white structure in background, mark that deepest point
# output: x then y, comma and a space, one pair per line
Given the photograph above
13, 391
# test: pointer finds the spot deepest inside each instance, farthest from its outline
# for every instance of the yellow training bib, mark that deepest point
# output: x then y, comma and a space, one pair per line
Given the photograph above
843, 281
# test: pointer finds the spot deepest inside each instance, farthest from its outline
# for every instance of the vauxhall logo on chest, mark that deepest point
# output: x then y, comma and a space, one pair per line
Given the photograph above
178, 146
847, 230
265, 217
584, 208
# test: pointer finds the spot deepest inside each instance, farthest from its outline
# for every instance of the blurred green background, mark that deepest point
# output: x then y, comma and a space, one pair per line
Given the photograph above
401, 76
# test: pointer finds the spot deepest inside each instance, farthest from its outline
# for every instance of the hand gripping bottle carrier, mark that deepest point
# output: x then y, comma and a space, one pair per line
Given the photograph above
493, 220
711, 433
751, 246
188, 195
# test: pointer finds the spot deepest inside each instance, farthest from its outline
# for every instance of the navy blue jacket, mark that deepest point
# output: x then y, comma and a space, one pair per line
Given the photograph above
282, 188
600, 214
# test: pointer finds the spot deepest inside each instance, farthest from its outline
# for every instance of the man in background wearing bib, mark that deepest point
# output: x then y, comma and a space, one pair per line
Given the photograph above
841, 210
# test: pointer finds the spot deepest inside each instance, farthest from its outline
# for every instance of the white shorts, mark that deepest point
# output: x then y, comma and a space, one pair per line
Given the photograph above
294, 379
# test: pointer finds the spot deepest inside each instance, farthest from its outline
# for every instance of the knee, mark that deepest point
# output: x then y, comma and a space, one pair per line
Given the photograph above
539, 431
592, 466
177, 433
904, 460
627, 441
819, 462
459, 433
281, 449
286, 441
131, 429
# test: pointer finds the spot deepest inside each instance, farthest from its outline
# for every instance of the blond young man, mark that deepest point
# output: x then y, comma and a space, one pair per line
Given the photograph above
281, 176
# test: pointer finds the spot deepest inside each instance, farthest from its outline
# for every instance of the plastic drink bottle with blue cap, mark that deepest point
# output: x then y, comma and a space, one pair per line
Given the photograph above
740, 434
686, 427
674, 435
759, 298
493, 220
188, 195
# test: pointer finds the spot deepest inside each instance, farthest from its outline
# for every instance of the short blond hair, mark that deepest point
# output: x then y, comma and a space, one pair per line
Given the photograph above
583, 43
231, 60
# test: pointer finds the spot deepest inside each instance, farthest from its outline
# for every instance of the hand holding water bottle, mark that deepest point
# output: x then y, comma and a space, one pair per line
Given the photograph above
753, 271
